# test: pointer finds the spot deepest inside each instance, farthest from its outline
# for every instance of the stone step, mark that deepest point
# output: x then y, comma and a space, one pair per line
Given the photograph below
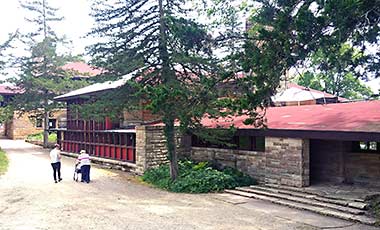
302, 200
320, 210
321, 198
313, 192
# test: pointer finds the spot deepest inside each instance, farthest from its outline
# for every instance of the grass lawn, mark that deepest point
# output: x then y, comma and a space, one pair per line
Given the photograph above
3, 162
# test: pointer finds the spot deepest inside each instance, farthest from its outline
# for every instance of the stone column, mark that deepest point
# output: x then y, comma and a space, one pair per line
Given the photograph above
287, 161
140, 150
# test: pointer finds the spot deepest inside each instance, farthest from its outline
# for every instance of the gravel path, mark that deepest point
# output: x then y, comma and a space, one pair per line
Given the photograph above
115, 200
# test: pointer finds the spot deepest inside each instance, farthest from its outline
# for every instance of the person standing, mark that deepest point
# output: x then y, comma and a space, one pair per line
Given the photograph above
55, 158
85, 163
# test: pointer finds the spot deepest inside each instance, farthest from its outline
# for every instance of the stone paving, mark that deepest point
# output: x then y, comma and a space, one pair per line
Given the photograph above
350, 192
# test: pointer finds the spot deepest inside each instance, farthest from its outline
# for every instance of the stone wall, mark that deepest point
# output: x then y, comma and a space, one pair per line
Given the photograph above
151, 147
249, 162
334, 161
363, 168
327, 164
22, 126
285, 161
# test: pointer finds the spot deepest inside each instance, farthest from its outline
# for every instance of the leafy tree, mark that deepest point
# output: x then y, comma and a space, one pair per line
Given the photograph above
289, 34
337, 78
41, 78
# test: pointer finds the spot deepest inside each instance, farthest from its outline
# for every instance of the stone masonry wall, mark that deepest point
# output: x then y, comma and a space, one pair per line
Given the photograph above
151, 147
249, 162
21, 126
287, 161
327, 162
334, 161
363, 168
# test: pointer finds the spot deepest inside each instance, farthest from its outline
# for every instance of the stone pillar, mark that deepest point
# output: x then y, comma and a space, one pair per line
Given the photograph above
287, 161
305, 163
150, 147
140, 150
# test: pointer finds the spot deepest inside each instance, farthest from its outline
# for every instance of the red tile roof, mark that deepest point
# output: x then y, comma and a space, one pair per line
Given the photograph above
356, 116
82, 68
9, 90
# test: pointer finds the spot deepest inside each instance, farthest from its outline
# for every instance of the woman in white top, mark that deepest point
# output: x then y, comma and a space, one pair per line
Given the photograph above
85, 165
55, 158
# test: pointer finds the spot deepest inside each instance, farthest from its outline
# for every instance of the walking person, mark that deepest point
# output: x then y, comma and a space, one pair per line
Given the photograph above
85, 166
55, 158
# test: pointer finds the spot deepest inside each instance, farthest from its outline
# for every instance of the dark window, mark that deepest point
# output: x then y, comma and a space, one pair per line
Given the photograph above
366, 146
39, 123
248, 143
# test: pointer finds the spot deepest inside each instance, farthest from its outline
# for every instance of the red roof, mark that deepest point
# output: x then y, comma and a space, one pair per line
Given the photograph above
355, 116
82, 68
9, 90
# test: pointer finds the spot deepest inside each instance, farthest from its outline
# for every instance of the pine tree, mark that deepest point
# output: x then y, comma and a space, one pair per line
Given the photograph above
41, 76
176, 70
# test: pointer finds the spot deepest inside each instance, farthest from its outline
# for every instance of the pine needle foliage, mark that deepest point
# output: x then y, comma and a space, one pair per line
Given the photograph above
176, 71
41, 77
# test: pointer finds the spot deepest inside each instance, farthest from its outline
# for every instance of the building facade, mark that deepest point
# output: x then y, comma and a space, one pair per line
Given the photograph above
301, 146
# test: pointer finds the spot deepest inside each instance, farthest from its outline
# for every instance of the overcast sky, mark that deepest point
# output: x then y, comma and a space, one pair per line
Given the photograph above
76, 24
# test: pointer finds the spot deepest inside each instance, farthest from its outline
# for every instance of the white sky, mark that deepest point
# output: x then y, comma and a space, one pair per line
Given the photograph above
76, 24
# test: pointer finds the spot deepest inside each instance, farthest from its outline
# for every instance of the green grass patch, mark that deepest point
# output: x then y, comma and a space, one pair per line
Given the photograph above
40, 137
3, 162
196, 178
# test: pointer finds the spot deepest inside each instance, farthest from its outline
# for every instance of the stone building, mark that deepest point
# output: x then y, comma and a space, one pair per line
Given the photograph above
301, 146
306, 145
24, 124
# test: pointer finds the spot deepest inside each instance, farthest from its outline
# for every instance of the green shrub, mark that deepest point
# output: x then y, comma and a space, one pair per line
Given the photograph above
3, 162
40, 137
196, 178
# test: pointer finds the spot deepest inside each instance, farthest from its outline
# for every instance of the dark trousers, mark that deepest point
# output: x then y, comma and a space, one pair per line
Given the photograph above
56, 170
85, 170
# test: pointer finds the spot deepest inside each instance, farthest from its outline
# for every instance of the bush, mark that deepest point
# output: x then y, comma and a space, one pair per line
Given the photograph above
196, 178
3, 162
40, 137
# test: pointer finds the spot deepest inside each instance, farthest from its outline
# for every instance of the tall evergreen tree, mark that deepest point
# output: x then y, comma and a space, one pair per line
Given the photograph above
176, 70
42, 78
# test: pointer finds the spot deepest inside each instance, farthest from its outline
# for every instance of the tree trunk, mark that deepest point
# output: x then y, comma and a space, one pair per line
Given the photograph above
171, 146
167, 78
46, 128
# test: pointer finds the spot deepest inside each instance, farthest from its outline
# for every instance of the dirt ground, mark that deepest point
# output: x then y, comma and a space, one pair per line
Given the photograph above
29, 199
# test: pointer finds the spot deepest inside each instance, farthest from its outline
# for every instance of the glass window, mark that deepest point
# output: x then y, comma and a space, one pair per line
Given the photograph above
245, 143
260, 144
39, 123
366, 146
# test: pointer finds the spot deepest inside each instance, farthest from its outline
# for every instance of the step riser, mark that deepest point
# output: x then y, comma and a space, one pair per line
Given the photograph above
301, 190
340, 202
304, 201
319, 210
306, 196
